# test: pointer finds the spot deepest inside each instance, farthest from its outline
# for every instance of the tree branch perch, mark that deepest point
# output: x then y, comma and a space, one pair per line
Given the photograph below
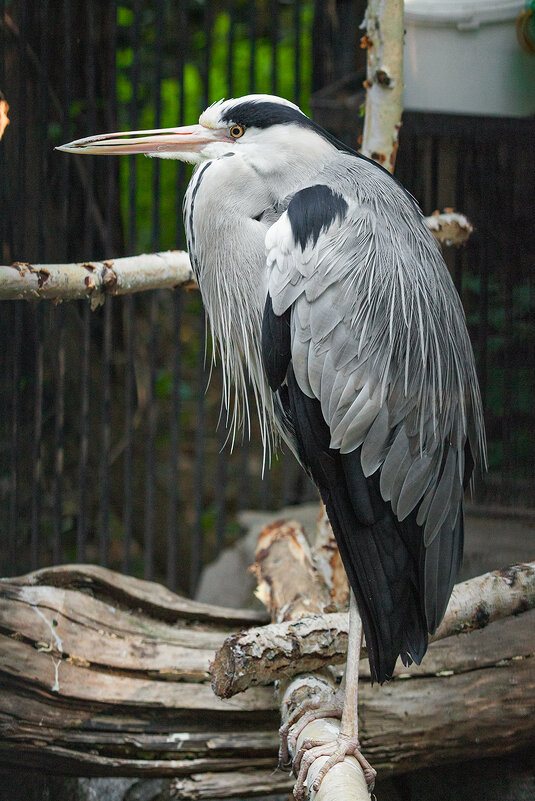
279, 650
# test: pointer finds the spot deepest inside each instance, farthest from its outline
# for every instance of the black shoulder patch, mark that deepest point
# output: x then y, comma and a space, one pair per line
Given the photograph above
313, 210
276, 344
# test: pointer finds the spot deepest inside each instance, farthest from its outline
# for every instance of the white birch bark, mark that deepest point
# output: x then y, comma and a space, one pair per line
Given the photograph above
95, 279
278, 650
384, 81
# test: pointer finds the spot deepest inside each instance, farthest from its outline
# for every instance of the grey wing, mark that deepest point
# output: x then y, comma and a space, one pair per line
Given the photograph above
378, 339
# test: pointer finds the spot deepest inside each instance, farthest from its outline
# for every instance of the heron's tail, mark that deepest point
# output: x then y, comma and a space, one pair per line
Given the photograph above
383, 558
383, 569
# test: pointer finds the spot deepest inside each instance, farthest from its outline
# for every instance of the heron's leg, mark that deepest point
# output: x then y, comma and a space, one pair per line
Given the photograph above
347, 743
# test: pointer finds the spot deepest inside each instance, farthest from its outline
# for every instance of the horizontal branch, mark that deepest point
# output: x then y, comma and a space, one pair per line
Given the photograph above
167, 270
449, 227
96, 279
279, 650
106, 675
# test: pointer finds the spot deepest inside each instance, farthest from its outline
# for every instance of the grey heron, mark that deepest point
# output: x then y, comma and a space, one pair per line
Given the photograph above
326, 291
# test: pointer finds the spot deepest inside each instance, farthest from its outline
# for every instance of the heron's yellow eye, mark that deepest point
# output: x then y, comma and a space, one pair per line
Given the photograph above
236, 131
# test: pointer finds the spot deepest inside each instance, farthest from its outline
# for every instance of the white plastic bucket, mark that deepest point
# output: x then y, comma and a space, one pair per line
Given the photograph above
463, 56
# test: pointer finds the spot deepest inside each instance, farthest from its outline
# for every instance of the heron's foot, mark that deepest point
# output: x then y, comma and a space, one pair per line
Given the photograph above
335, 751
308, 710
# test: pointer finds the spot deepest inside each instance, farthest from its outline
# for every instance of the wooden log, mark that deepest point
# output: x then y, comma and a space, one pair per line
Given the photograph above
120, 704
289, 585
280, 650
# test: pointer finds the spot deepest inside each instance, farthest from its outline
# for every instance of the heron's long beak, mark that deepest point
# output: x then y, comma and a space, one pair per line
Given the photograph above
189, 139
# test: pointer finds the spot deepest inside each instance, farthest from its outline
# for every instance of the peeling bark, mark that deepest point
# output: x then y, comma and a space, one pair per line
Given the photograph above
449, 228
106, 675
384, 81
262, 655
94, 280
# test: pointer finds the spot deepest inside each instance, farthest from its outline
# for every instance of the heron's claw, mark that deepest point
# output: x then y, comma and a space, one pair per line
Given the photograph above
308, 710
336, 751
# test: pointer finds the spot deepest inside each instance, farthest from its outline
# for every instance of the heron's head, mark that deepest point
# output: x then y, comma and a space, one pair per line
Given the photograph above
264, 129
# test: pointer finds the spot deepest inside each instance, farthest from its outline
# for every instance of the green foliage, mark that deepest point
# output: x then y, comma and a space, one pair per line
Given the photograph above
230, 62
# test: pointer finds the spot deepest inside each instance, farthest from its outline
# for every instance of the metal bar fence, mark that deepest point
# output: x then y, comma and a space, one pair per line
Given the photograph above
112, 448
115, 449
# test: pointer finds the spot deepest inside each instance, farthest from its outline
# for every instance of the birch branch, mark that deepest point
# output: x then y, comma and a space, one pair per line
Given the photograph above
280, 650
449, 227
96, 279
384, 81
292, 586
4, 119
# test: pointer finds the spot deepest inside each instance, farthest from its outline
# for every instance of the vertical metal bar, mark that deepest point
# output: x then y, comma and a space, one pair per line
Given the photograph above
266, 489
128, 469
43, 124
200, 437
231, 8
160, 17
104, 456
35, 545
274, 9
297, 50
66, 70
83, 459
22, 131
105, 443
90, 99
4, 218
252, 40
132, 162
435, 163
244, 495
198, 532
460, 205
129, 312
221, 485
150, 445
208, 24
173, 532
174, 444
59, 434
59, 316
152, 403
479, 160
181, 175
531, 381
506, 179
111, 115
14, 444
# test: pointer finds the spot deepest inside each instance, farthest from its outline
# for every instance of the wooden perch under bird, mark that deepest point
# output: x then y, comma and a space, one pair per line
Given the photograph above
107, 675
305, 639
266, 654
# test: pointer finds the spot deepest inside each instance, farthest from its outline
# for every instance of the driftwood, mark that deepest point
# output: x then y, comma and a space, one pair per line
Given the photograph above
459, 678
105, 675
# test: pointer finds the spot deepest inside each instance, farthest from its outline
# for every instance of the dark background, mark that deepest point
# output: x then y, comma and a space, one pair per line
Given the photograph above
110, 448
